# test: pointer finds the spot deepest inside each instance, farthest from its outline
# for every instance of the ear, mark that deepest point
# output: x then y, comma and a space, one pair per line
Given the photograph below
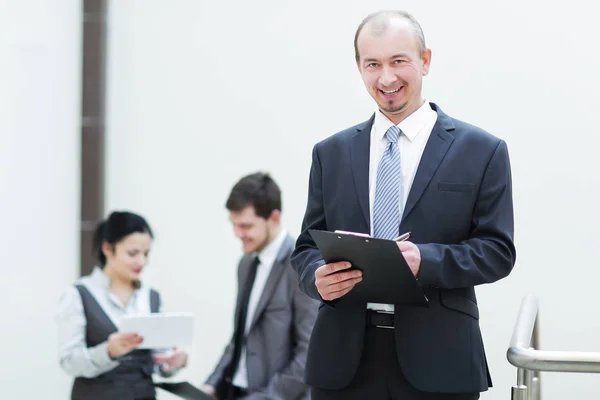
107, 249
426, 60
275, 217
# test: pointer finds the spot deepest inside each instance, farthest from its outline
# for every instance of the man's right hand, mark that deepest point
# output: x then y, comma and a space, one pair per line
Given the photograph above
209, 390
334, 280
122, 343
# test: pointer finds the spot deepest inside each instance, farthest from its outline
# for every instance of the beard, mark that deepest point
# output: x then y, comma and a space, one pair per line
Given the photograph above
390, 108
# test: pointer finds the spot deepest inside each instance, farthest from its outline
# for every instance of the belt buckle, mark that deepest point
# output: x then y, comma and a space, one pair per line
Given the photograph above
383, 326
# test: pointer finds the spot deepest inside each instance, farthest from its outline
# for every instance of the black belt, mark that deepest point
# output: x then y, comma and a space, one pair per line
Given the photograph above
380, 319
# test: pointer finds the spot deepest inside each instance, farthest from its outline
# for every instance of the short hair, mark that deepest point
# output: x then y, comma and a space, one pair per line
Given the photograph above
382, 18
258, 190
115, 228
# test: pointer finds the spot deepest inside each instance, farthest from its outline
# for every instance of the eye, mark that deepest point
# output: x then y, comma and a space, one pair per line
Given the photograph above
398, 61
371, 65
132, 253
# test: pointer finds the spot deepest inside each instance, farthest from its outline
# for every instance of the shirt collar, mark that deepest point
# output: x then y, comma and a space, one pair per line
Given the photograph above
411, 126
270, 252
99, 279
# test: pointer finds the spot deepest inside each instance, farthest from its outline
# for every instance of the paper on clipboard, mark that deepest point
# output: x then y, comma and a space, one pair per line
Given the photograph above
160, 330
401, 238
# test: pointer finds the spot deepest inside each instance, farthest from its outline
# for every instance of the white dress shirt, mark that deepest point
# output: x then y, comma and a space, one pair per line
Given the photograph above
75, 357
266, 257
416, 129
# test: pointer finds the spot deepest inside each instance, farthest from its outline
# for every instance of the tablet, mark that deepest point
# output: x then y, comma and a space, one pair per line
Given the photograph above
160, 329
184, 390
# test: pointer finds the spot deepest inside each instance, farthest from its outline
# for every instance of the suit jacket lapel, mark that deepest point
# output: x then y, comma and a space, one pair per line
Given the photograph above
274, 278
438, 144
360, 147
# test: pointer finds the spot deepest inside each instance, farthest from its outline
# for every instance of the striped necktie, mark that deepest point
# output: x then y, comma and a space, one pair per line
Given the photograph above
386, 207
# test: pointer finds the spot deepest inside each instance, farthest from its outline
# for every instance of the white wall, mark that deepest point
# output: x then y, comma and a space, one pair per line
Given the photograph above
201, 93
39, 188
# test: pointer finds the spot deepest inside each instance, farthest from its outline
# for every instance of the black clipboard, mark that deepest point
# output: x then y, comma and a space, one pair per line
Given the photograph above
184, 390
387, 277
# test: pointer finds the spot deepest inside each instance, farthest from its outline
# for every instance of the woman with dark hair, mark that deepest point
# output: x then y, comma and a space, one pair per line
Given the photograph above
106, 363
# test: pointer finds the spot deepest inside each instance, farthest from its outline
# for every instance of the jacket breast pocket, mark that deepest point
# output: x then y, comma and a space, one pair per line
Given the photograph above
456, 187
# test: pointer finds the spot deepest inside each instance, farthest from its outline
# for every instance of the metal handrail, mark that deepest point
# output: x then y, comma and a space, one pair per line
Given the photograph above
524, 354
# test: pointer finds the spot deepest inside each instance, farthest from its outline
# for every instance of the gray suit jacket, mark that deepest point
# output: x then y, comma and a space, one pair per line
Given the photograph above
279, 333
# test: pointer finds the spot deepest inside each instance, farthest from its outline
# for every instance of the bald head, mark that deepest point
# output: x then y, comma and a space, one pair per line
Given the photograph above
379, 22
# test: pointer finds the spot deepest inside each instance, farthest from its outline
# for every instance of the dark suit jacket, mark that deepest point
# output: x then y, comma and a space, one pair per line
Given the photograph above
279, 333
460, 213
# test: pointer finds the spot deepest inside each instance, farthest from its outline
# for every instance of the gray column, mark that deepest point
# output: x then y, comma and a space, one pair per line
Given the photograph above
92, 125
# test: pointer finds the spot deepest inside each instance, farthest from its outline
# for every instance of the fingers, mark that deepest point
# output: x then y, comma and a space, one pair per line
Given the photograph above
120, 343
164, 362
336, 285
338, 280
412, 255
332, 268
334, 280
160, 359
342, 285
125, 337
208, 389
406, 246
341, 277
129, 341
132, 339
340, 293
338, 290
173, 361
128, 336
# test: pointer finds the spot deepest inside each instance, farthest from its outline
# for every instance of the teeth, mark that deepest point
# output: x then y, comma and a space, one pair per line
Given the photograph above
390, 91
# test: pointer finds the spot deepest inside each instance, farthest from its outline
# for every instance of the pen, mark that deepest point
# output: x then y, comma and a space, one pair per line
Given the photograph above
402, 237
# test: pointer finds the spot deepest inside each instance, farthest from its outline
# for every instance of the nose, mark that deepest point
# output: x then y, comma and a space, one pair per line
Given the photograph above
142, 261
238, 233
387, 76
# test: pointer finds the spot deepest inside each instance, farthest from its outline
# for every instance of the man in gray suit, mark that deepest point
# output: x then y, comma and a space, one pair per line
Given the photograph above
273, 319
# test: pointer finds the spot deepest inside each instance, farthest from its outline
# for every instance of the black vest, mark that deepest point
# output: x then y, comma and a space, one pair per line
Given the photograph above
132, 378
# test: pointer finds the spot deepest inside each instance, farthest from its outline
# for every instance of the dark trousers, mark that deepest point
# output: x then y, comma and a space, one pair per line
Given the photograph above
379, 376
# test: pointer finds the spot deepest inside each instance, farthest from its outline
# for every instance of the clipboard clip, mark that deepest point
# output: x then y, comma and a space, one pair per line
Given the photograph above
353, 233
400, 238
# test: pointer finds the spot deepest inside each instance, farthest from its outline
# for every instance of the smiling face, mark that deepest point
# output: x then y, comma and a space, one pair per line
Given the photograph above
254, 232
127, 258
392, 67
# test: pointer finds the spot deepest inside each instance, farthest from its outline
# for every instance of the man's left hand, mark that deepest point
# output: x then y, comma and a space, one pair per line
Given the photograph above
412, 255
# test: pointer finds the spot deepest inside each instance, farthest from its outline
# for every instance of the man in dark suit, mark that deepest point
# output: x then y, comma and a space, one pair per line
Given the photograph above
266, 357
410, 167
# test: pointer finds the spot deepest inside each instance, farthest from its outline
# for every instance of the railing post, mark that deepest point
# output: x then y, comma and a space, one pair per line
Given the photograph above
529, 375
535, 393
532, 381
519, 391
